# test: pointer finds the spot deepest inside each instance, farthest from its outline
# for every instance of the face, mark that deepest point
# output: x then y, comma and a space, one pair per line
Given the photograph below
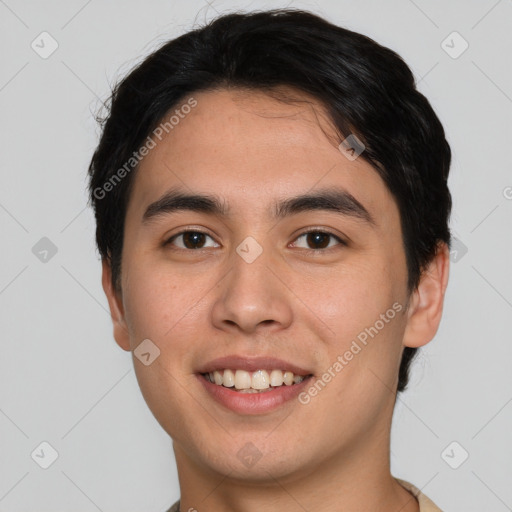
262, 280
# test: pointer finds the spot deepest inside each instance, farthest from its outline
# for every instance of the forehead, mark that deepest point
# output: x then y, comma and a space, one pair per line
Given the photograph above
250, 148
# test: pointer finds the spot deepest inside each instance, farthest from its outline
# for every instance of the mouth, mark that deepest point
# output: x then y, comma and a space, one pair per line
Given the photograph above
252, 385
259, 381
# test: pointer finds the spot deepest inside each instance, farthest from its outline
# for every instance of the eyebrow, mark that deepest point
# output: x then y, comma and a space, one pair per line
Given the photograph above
329, 199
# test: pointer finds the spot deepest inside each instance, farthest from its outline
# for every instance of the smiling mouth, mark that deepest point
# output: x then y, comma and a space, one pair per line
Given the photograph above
260, 381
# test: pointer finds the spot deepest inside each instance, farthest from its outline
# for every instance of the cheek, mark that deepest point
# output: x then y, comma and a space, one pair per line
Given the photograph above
161, 308
153, 302
145, 301
363, 304
351, 297
169, 308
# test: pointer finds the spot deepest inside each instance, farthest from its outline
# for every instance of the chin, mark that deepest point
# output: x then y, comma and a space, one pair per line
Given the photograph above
254, 458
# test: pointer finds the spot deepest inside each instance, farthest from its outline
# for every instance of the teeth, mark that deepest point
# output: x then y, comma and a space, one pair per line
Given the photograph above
242, 379
260, 380
255, 382
228, 379
288, 378
276, 378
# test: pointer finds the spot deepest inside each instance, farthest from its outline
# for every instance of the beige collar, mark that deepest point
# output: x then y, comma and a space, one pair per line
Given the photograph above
426, 504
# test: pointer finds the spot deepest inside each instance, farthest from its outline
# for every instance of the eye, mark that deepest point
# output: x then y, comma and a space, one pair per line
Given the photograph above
314, 240
319, 240
191, 240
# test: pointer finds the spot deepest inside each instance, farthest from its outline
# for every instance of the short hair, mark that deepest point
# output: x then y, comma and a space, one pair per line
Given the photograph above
367, 90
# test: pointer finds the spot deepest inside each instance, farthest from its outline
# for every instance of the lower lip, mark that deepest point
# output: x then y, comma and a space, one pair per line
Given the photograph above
253, 403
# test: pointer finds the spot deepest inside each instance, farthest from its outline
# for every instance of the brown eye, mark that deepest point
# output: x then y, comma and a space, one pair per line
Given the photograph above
318, 240
190, 240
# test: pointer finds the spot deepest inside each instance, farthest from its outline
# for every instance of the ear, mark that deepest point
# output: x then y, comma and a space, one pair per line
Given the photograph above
426, 303
115, 303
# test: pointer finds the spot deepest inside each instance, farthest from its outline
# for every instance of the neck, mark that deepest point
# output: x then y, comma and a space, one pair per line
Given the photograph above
356, 478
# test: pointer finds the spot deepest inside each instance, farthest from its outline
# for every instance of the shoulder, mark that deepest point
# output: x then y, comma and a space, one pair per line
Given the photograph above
426, 504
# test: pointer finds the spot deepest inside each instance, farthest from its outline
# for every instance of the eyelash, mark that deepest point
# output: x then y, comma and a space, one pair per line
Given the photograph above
305, 233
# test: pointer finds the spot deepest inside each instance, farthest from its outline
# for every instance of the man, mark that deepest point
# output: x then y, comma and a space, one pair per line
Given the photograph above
272, 212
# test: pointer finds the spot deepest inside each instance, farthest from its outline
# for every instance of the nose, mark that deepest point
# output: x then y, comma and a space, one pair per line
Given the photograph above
253, 296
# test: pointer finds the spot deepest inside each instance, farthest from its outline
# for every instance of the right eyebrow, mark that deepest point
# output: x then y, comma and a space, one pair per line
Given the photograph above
175, 200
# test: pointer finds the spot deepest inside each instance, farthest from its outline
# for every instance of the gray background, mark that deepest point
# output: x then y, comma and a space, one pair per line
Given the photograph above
63, 379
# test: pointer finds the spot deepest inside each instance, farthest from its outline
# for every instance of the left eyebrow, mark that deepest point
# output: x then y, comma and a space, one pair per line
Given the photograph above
331, 199
328, 199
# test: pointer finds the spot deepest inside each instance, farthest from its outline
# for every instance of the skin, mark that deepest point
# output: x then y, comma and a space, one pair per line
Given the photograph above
302, 306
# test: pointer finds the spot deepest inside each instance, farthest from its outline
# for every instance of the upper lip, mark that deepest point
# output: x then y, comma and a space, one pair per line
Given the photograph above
251, 364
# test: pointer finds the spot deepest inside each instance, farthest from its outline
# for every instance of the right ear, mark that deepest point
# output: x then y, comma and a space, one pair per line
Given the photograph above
115, 303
